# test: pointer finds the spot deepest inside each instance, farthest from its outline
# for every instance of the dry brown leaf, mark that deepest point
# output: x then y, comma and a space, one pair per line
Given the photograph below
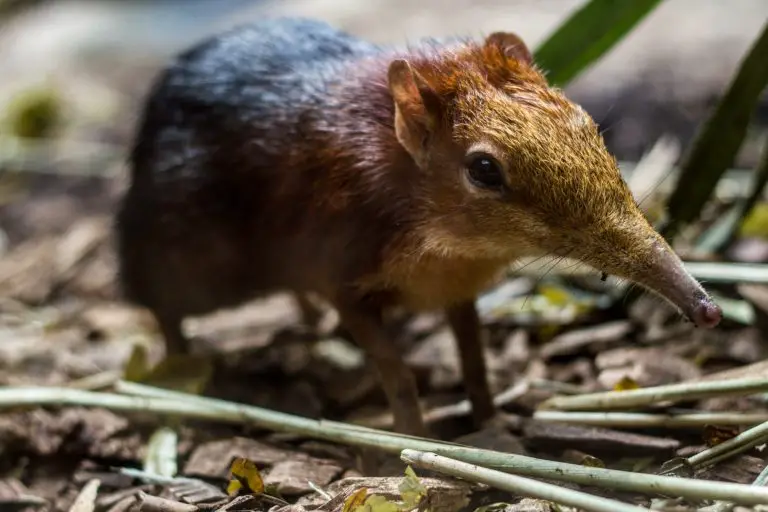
716, 434
292, 476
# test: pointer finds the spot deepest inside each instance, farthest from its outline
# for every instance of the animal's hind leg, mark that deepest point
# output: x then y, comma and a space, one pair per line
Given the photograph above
310, 313
176, 343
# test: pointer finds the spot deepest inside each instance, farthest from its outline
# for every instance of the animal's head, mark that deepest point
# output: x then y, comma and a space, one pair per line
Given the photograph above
513, 168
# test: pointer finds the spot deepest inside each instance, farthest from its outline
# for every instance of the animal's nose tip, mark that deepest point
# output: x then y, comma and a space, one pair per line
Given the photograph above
707, 314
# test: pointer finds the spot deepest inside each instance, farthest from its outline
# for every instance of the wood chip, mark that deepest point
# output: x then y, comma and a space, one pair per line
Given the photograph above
596, 441
292, 477
213, 459
573, 341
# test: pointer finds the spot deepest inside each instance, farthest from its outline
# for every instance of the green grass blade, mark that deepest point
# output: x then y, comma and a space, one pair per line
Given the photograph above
723, 232
587, 35
719, 139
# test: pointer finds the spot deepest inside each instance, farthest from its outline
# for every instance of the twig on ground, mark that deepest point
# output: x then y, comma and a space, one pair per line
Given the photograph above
562, 388
515, 484
463, 407
149, 503
191, 406
657, 394
644, 420
741, 443
96, 381
154, 478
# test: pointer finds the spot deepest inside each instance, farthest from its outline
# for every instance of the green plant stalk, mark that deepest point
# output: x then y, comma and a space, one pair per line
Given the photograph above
718, 141
653, 395
516, 484
645, 420
741, 443
505, 462
587, 35
178, 404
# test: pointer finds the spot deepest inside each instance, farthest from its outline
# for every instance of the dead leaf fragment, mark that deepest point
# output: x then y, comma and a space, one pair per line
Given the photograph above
597, 441
716, 434
626, 383
137, 366
293, 476
160, 457
245, 476
378, 503
355, 500
575, 340
15, 496
180, 372
86, 500
149, 503
412, 491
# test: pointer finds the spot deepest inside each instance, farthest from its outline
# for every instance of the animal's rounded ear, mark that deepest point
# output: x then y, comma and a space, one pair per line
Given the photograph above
512, 45
410, 90
417, 107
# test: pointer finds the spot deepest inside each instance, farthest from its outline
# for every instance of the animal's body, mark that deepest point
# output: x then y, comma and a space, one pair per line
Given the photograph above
288, 155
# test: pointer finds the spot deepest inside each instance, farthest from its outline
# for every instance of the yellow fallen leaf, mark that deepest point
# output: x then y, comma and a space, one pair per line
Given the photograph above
555, 295
756, 223
233, 487
244, 475
625, 383
185, 373
592, 462
411, 489
34, 113
355, 500
137, 366
377, 503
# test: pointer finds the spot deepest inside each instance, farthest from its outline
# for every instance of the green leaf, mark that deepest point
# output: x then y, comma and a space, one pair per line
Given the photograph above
719, 139
587, 35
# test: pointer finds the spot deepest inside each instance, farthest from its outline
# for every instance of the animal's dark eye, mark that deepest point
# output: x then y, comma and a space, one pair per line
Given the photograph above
484, 171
